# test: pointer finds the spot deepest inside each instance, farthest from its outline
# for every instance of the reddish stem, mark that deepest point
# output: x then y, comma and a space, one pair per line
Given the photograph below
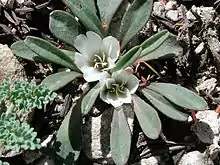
194, 117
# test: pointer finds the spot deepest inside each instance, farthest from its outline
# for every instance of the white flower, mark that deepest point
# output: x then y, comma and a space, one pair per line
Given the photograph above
118, 89
96, 55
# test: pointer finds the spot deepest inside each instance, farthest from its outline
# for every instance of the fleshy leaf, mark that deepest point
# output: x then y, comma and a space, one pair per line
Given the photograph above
134, 19
179, 95
89, 99
48, 51
58, 80
168, 49
68, 142
147, 117
154, 42
128, 58
85, 11
15, 135
21, 50
71, 55
107, 10
120, 138
64, 26
164, 105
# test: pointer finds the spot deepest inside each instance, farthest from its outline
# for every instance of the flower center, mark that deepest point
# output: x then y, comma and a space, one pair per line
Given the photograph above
118, 89
100, 62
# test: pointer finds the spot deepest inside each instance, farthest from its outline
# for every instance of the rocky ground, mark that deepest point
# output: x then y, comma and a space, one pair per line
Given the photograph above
197, 25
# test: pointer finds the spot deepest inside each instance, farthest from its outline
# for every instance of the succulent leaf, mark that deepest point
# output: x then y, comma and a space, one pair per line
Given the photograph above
179, 95
4, 163
15, 135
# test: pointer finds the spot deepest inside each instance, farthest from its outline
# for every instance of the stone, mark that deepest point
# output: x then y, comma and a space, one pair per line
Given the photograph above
96, 134
173, 15
171, 5
207, 129
195, 158
7, 3
153, 160
20, 1
200, 48
31, 156
207, 86
10, 67
190, 16
46, 161
159, 8
207, 14
212, 151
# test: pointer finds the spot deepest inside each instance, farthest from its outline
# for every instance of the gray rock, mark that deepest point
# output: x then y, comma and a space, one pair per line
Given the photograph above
10, 67
7, 3
173, 15
212, 151
195, 158
96, 135
208, 86
200, 48
207, 130
153, 160
159, 8
20, 1
45, 161
206, 13
190, 16
172, 4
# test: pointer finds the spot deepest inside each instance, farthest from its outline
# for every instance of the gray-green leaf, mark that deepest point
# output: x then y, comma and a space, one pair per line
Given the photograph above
134, 19
85, 11
168, 48
58, 80
89, 99
49, 52
128, 58
21, 50
164, 105
179, 95
120, 138
107, 10
64, 26
154, 42
147, 117
68, 142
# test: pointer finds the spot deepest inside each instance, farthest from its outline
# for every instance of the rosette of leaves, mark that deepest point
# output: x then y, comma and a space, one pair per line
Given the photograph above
4, 163
15, 135
26, 95
98, 16
4, 91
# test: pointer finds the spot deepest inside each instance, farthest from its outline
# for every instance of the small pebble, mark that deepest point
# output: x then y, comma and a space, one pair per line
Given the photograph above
200, 48
158, 8
20, 1
190, 16
171, 5
172, 15
195, 158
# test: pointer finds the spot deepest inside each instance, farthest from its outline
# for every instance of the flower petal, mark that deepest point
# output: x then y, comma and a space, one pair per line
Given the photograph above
117, 101
132, 83
88, 45
121, 77
111, 46
91, 74
111, 63
103, 94
81, 60
126, 97
109, 83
